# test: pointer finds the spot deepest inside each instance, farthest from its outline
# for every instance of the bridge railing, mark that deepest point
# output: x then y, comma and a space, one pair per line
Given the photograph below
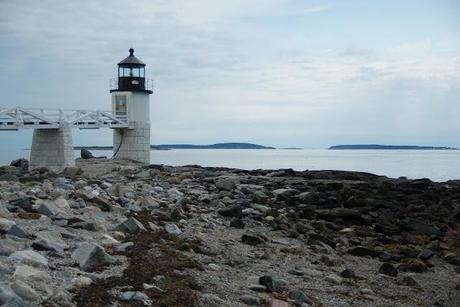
34, 118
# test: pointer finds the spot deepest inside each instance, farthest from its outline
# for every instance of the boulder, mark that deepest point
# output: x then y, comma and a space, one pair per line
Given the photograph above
20, 163
231, 211
24, 291
91, 256
226, 184
299, 296
16, 231
272, 283
31, 276
284, 193
48, 208
49, 240
253, 239
9, 299
86, 154
388, 269
29, 256
5, 225
71, 172
131, 225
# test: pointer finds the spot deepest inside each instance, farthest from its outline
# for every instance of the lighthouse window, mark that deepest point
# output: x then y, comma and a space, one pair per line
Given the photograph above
120, 105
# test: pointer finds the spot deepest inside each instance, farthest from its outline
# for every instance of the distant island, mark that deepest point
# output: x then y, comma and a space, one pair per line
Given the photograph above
190, 146
389, 147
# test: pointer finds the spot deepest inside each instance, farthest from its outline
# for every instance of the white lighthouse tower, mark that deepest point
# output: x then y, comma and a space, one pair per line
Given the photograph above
130, 101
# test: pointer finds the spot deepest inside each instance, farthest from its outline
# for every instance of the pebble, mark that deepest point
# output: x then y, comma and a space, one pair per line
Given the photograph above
366, 291
214, 267
172, 229
134, 296
334, 279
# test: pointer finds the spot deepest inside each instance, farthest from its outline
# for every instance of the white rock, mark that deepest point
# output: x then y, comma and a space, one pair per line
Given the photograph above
28, 256
173, 229
24, 291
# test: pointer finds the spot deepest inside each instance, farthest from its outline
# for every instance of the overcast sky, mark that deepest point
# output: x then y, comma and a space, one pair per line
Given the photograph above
274, 72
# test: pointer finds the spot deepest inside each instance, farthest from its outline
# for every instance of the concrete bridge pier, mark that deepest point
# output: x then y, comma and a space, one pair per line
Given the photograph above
52, 148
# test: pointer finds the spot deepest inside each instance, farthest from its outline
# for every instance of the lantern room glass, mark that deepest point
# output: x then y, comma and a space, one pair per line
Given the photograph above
137, 72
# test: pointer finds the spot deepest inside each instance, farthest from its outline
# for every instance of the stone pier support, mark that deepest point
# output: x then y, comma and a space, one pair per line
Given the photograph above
52, 148
132, 143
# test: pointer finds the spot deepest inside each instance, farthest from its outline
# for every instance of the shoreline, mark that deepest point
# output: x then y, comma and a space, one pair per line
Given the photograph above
216, 236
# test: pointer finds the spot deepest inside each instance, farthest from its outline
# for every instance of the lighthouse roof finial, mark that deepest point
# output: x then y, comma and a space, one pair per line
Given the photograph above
131, 60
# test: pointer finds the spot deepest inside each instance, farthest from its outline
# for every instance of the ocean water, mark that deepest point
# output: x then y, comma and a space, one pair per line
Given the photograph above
438, 165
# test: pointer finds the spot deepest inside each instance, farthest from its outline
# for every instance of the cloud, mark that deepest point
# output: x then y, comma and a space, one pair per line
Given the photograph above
222, 74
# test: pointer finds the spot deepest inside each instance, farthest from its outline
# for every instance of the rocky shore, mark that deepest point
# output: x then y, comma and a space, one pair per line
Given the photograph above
116, 233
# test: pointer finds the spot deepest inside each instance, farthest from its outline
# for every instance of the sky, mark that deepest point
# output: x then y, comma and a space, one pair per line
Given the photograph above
285, 73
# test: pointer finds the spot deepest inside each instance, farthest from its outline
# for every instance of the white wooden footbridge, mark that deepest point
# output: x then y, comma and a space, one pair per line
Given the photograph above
52, 144
26, 118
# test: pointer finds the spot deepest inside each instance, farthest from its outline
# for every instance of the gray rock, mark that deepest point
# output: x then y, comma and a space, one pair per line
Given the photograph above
37, 279
20, 163
24, 291
130, 225
388, 269
231, 211
257, 288
272, 283
408, 280
426, 254
9, 299
50, 240
5, 225
260, 197
250, 300
29, 256
134, 296
172, 229
299, 296
363, 251
253, 239
16, 231
90, 256
48, 208
348, 273
226, 184
61, 298
7, 247
86, 154
306, 197
334, 279
284, 194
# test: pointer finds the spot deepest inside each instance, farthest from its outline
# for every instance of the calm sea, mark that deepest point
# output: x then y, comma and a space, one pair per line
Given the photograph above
438, 165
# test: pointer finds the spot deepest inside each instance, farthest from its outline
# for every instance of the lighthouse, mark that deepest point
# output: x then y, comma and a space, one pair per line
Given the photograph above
130, 102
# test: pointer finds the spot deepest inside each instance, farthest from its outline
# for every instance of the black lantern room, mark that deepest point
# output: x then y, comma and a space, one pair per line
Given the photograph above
131, 76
